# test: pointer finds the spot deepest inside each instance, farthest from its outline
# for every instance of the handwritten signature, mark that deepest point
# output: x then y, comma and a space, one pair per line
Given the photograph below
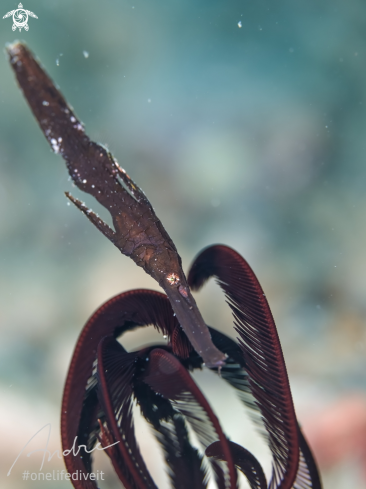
74, 450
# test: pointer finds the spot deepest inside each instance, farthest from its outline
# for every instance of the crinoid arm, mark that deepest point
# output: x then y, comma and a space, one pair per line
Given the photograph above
264, 363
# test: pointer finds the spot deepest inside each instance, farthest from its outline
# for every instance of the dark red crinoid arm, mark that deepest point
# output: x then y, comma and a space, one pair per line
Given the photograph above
169, 378
262, 352
120, 380
80, 406
307, 476
115, 372
243, 460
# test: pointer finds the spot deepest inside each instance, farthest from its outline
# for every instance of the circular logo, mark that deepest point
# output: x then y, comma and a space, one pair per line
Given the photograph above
20, 18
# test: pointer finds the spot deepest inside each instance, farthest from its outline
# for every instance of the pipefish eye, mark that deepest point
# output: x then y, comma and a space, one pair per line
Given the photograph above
173, 279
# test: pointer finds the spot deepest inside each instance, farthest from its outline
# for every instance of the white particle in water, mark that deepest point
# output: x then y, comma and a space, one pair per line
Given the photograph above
84, 181
45, 102
57, 62
239, 24
86, 54
72, 119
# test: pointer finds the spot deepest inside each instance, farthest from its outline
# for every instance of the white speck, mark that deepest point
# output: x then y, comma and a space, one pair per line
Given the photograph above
86, 54
79, 127
59, 140
165, 336
239, 24
55, 146
93, 186
149, 100
57, 62
84, 181
72, 119
260, 28
68, 203
45, 102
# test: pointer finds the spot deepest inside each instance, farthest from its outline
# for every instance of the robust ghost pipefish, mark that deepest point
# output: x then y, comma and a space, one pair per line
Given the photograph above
104, 380
138, 232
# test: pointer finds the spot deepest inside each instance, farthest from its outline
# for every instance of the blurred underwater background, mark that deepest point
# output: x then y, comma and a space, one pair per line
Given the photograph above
244, 123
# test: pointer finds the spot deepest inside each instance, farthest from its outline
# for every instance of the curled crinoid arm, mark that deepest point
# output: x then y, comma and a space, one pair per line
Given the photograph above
122, 313
293, 464
166, 376
307, 476
110, 447
262, 353
138, 232
243, 460
115, 373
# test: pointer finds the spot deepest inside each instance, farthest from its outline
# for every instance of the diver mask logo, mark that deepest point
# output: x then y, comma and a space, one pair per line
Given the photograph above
20, 18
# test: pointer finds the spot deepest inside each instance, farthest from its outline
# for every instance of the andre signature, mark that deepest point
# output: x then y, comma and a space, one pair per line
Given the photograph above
75, 449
